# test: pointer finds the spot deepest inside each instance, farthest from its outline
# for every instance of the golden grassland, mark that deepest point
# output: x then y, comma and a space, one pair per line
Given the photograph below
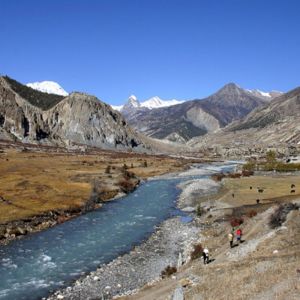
34, 182
274, 188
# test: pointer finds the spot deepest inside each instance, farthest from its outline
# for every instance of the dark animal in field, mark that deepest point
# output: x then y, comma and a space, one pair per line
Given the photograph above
292, 186
293, 191
257, 201
260, 190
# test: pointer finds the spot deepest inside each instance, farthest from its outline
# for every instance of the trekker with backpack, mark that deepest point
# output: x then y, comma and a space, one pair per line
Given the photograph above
239, 235
230, 238
205, 255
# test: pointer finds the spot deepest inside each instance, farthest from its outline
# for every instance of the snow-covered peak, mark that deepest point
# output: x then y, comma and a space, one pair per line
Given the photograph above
117, 107
266, 95
133, 101
49, 87
156, 102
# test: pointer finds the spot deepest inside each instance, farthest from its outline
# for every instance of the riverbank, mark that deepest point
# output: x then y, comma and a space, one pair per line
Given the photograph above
144, 264
43, 186
138, 273
266, 264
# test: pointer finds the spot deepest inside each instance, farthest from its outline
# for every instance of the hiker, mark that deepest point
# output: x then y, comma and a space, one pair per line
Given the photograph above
230, 238
205, 255
239, 235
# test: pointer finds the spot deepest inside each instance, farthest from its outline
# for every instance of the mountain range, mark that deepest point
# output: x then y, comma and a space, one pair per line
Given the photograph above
273, 125
154, 102
188, 119
30, 116
232, 117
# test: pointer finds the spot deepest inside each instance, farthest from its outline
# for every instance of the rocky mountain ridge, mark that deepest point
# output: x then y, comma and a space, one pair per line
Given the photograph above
189, 119
26, 115
274, 125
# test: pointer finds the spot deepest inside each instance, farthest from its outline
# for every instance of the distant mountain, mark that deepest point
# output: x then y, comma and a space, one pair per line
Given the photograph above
282, 108
275, 124
152, 103
32, 116
49, 87
186, 120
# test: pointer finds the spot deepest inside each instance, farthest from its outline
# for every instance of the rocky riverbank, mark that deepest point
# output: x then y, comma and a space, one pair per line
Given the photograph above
142, 265
170, 245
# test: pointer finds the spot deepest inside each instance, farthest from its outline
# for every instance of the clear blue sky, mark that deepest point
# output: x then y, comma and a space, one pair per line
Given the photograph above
171, 48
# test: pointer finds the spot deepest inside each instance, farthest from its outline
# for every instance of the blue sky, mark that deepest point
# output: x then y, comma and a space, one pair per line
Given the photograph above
171, 48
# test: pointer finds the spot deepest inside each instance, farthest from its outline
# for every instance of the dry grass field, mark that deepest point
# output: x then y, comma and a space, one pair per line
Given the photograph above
33, 182
274, 188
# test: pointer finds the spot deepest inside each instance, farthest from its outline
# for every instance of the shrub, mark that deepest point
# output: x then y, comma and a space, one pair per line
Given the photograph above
168, 271
236, 221
126, 185
247, 173
218, 177
197, 251
251, 213
199, 211
249, 166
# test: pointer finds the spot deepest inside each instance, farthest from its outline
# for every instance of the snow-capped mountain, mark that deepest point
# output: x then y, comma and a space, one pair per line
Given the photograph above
154, 102
49, 87
265, 95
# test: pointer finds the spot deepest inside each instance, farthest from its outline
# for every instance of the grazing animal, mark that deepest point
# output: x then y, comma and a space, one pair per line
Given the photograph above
292, 186
293, 191
260, 190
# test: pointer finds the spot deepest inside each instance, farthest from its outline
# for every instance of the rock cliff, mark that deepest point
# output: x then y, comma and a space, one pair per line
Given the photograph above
32, 116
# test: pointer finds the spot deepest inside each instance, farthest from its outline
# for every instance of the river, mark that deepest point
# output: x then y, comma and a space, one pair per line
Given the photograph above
37, 265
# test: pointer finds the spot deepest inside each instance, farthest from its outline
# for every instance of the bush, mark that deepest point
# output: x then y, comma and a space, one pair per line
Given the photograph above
126, 185
197, 251
251, 213
249, 166
168, 271
247, 173
199, 211
218, 177
236, 221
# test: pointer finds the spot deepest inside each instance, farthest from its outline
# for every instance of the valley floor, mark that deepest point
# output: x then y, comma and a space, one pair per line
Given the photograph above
43, 186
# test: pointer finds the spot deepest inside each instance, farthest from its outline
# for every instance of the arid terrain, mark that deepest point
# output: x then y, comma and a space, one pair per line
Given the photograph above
56, 184
265, 266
